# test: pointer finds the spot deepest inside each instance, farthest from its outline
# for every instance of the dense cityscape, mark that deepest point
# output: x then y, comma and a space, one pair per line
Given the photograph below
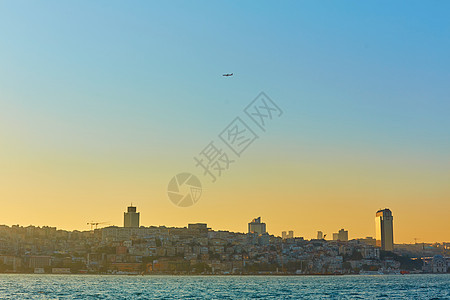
197, 249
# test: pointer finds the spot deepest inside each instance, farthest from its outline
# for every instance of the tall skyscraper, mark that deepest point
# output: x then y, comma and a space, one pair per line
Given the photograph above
131, 217
256, 226
384, 229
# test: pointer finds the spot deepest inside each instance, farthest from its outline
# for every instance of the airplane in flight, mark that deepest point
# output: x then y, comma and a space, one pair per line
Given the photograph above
229, 74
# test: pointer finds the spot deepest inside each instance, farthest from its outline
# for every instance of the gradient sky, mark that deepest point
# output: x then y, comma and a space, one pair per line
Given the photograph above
102, 102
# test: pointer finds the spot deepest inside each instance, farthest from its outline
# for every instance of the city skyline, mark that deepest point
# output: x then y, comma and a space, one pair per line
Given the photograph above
104, 103
199, 249
381, 237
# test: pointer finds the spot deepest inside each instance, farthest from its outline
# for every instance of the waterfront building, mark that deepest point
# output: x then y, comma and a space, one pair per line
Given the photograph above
438, 264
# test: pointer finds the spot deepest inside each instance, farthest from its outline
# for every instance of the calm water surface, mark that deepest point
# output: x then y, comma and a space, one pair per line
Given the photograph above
224, 287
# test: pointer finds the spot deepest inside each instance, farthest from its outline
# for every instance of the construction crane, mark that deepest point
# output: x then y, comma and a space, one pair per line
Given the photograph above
92, 223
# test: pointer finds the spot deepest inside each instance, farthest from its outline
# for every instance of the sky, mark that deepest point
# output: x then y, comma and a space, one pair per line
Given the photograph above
102, 103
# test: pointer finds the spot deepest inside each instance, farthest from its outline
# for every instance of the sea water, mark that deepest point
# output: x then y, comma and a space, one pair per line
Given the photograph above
34, 286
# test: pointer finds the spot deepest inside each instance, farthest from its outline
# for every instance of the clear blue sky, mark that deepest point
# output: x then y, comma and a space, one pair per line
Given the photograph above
136, 78
378, 65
